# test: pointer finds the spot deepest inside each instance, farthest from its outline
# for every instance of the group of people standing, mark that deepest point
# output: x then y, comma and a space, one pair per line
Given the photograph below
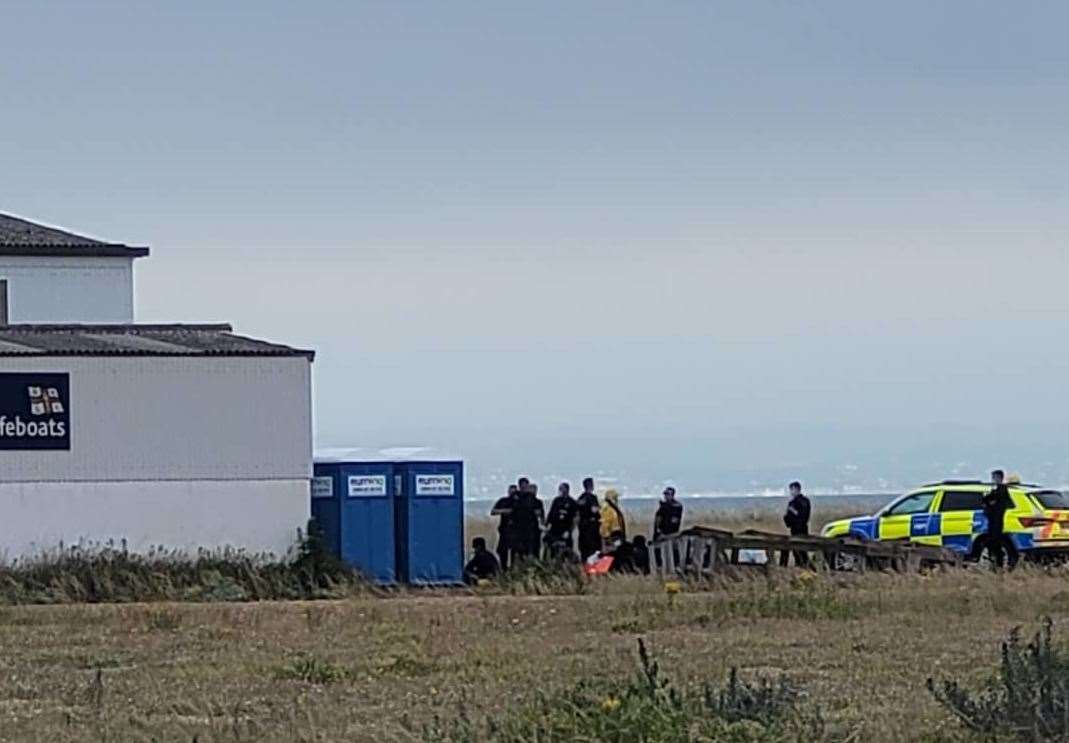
526, 531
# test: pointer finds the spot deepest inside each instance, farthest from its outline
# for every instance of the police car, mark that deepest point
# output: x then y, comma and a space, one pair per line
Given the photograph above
950, 514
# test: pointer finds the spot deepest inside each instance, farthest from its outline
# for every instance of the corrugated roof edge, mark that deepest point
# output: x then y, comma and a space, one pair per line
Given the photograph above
267, 348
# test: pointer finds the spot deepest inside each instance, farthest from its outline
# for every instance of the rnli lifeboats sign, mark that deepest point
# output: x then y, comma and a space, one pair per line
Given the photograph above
35, 411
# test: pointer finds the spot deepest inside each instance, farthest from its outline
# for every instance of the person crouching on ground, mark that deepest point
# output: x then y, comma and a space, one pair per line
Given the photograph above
612, 517
641, 554
482, 565
622, 553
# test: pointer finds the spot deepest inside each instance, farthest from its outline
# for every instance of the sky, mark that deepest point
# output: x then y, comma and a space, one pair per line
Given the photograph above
717, 243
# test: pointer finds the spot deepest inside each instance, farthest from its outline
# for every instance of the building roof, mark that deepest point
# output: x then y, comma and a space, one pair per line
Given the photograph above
135, 340
22, 237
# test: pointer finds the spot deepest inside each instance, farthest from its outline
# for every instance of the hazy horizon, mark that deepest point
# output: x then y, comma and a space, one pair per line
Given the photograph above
721, 244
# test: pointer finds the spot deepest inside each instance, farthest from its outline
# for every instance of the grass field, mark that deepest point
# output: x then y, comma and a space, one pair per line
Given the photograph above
861, 646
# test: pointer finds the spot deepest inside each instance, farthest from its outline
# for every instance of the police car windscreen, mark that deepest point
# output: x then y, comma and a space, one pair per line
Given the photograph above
1051, 499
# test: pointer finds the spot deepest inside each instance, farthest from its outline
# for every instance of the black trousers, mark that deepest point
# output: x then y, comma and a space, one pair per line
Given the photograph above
504, 549
801, 559
589, 542
996, 547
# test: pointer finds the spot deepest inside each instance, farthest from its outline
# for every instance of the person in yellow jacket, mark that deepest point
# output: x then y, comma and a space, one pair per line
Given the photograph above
612, 517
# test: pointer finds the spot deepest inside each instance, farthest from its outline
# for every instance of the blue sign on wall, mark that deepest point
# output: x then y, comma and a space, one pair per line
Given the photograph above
35, 411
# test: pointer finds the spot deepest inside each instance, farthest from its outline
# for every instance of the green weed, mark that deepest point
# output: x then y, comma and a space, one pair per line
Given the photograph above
649, 708
312, 670
1027, 698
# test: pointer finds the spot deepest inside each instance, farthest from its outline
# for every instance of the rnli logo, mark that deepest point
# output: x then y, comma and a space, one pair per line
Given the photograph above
35, 411
45, 401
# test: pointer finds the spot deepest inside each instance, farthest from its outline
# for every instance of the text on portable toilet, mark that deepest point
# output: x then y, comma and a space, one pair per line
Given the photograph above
435, 485
322, 487
367, 486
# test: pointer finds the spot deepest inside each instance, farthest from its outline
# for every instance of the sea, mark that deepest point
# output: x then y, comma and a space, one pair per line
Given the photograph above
732, 505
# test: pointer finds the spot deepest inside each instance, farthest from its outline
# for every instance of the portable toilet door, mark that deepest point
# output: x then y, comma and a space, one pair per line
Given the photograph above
431, 517
326, 508
364, 492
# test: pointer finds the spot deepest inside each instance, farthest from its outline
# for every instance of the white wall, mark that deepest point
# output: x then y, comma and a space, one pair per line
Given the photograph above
182, 452
262, 516
69, 289
175, 418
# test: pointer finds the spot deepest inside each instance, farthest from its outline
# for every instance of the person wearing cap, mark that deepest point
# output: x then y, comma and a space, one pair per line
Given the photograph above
669, 515
482, 565
612, 517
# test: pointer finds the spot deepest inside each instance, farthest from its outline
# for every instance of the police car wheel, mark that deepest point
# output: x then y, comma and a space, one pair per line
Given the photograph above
847, 562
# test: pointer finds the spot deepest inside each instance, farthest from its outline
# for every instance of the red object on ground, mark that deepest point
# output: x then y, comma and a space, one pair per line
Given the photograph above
598, 567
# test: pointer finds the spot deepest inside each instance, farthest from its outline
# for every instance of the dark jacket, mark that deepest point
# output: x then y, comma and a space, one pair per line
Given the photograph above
482, 565
503, 509
668, 519
528, 514
623, 558
562, 513
641, 556
797, 517
996, 503
589, 512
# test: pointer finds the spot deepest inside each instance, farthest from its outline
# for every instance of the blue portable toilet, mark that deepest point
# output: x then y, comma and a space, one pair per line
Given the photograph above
430, 518
353, 503
394, 514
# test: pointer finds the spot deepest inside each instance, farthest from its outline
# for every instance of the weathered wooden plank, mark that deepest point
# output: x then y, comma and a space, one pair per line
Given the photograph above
698, 550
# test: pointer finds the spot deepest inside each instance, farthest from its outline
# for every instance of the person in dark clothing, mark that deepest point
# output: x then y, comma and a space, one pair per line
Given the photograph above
669, 515
623, 553
528, 516
506, 528
589, 520
561, 522
667, 521
796, 519
996, 503
482, 565
641, 554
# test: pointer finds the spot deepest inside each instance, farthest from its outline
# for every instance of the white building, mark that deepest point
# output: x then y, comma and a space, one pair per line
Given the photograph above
48, 275
183, 436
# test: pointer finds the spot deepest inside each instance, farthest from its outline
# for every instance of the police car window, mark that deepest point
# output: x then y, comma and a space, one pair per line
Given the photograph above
1051, 499
916, 503
961, 501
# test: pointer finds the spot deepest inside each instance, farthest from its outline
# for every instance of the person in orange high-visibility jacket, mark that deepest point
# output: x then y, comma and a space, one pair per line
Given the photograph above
612, 517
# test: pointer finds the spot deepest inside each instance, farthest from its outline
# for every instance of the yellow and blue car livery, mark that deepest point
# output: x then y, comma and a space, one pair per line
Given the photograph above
949, 514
